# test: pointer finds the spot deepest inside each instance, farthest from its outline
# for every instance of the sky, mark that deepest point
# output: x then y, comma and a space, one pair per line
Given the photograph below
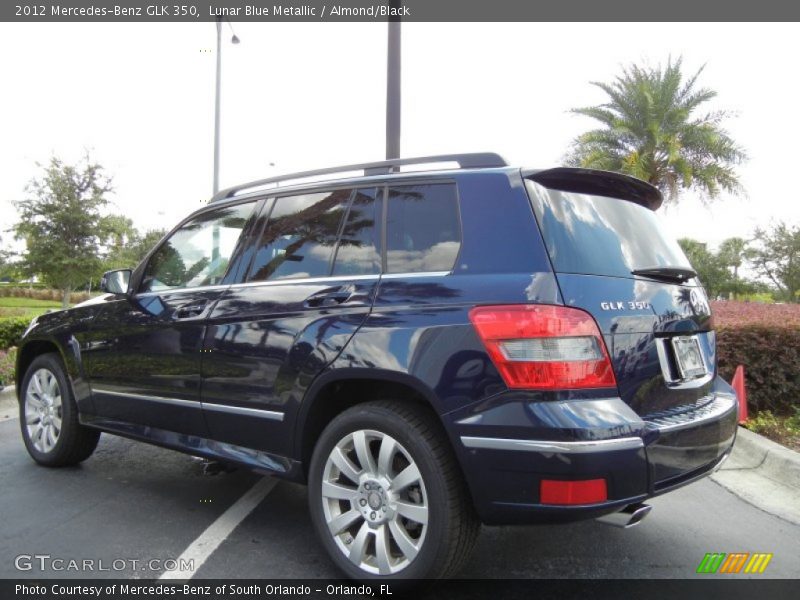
140, 98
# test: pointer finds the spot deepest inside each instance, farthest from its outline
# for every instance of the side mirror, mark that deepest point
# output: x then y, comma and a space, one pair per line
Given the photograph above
116, 281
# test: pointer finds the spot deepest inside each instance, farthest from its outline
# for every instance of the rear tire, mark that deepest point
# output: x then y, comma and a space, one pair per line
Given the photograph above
48, 416
387, 497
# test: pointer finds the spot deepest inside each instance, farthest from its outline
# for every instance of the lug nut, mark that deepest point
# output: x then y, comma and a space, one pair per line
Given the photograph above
372, 515
363, 502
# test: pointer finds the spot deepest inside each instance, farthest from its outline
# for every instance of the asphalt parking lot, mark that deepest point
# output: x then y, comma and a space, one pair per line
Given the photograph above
134, 502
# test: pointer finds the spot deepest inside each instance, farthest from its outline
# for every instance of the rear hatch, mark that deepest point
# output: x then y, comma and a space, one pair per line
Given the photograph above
613, 259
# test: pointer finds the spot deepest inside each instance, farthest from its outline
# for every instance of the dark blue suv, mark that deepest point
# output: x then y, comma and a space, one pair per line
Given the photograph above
428, 350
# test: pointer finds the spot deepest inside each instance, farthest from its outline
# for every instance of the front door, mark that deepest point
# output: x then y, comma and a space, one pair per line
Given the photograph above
143, 355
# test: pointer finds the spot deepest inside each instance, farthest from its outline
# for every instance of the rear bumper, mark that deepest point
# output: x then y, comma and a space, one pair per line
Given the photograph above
588, 439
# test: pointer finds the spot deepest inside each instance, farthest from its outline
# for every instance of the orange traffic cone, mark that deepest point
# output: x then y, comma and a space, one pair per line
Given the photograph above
741, 393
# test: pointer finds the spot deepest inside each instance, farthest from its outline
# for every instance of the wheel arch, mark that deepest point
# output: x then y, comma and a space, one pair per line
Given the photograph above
335, 391
30, 350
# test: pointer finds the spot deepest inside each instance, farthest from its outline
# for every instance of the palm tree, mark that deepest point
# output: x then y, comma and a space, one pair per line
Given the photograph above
651, 130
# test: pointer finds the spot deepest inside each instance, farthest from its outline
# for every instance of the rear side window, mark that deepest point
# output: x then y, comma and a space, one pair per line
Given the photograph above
300, 236
597, 235
423, 231
358, 252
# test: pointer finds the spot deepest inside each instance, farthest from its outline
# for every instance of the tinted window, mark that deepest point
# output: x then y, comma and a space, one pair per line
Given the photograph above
602, 236
358, 252
299, 237
422, 228
199, 252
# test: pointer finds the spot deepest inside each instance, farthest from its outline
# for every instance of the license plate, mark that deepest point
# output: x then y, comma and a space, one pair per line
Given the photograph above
688, 357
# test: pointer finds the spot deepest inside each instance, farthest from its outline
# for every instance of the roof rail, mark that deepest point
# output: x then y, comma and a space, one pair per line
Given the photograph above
476, 160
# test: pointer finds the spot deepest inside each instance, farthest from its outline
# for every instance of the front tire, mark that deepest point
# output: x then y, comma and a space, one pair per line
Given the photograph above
48, 416
386, 496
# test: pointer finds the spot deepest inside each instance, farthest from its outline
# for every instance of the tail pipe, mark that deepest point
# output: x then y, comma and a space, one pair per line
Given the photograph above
631, 515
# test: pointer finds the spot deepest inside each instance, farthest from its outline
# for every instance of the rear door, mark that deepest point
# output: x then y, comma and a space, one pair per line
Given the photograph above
613, 259
315, 267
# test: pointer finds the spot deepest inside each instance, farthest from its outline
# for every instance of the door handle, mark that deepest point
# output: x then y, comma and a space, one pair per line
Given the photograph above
190, 310
328, 298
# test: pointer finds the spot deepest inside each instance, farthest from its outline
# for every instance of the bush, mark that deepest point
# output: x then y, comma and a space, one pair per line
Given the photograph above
765, 338
784, 430
8, 360
11, 331
44, 294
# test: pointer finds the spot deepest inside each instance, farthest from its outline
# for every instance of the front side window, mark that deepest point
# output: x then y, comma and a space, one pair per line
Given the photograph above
300, 236
198, 253
423, 231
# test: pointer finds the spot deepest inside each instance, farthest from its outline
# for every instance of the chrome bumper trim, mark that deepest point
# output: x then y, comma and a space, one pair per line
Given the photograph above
551, 447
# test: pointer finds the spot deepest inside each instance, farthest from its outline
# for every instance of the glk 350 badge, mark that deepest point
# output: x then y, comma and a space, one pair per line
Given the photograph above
629, 305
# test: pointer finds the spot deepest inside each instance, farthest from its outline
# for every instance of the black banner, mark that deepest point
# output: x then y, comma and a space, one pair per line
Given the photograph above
407, 10
527, 589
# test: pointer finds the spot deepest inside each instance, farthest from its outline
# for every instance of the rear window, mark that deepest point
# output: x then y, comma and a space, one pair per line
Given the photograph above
601, 236
358, 250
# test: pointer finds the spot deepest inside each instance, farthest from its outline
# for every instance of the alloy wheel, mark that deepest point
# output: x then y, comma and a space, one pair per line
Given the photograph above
374, 502
43, 410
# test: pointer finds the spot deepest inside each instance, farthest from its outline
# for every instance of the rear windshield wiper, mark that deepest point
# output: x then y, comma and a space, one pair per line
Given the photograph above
668, 274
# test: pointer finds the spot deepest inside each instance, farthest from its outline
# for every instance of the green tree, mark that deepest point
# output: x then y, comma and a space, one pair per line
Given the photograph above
651, 129
732, 254
62, 223
710, 269
129, 249
7, 268
775, 254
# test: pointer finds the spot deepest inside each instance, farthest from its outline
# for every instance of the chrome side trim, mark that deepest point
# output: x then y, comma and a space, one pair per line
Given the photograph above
335, 278
274, 282
207, 288
161, 399
236, 410
183, 290
420, 274
249, 412
550, 447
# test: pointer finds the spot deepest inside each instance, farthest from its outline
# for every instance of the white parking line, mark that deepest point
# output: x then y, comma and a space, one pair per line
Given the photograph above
208, 541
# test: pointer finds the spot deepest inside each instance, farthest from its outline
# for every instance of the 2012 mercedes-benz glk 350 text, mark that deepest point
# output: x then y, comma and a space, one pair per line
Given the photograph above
428, 350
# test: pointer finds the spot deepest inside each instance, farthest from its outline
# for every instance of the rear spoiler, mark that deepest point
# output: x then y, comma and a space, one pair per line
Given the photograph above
599, 183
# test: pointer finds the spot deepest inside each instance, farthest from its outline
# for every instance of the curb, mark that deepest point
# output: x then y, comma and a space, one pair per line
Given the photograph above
8, 404
769, 458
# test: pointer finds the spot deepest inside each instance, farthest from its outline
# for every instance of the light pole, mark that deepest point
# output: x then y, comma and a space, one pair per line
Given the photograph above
393, 91
234, 40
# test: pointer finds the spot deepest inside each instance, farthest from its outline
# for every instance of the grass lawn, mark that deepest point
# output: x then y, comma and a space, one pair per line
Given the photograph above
26, 307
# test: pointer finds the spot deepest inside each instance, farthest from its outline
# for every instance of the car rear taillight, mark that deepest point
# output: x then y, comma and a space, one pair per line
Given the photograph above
544, 347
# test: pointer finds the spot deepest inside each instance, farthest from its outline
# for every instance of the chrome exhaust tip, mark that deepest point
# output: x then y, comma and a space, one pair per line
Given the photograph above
631, 515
